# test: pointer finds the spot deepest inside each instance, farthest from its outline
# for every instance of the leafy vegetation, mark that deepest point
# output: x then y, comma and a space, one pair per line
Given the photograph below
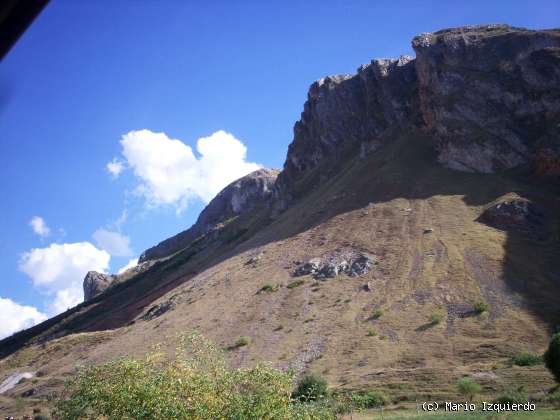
294, 284
371, 332
269, 288
436, 318
195, 384
552, 356
369, 399
378, 313
526, 359
481, 307
241, 342
310, 388
468, 387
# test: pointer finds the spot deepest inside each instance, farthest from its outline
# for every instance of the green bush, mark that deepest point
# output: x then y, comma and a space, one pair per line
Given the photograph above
241, 342
480, 307
513, 396
436, 318
378, 313
468, 387
195, 384
269, 288
310, 388
371, 332
552, 356
527, 359
295, 283
368, 400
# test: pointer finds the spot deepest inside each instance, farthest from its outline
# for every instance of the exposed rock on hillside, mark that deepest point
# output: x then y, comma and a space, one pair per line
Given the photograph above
490, 93
513, 212
347, 261
95, 283
239, 197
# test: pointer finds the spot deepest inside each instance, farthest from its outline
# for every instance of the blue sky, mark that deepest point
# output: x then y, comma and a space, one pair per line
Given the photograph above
87, 73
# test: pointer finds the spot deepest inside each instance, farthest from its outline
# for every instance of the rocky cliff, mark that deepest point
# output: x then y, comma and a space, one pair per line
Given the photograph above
237, 198
488, 95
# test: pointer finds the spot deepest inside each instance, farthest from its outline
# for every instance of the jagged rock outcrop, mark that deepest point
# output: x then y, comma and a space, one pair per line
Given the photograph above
95, 283
239, 197
490, 93
513, 212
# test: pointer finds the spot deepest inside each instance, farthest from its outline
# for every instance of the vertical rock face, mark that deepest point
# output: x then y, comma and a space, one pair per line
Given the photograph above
95, 283
349, 111
490, 94
239, 197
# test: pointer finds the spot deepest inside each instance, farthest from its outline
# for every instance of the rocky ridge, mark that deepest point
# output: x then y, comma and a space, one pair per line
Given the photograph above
239, 197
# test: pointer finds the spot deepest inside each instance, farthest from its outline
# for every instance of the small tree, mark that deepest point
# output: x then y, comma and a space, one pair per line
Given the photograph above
552, 356
310, 388
468, 387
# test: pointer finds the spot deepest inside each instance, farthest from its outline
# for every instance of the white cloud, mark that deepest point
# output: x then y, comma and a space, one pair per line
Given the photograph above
171, 174
15, 317
59, 270
113, 242
132, 263
39, 226
115, 167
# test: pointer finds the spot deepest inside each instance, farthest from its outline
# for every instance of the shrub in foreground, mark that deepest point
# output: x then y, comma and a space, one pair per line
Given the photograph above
310, 388
195, 384
369, 399
552, 356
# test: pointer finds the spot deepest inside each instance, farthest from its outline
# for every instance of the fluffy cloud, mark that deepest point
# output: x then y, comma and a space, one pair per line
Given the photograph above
113, 242
59, 270
115, 167
170, 173
132, 263
15, 317
39, 226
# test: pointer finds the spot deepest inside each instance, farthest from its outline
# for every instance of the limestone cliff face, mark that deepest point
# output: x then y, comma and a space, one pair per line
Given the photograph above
490, 94
239, 197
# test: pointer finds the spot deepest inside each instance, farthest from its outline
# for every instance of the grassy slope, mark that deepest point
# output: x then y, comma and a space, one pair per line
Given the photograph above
322, 327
